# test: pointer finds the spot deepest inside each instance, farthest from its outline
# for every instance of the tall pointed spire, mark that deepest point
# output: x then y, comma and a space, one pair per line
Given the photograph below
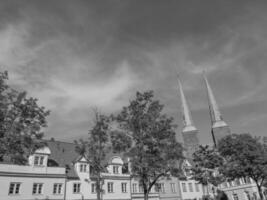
219, 128
189, 132
215, 114
187, 118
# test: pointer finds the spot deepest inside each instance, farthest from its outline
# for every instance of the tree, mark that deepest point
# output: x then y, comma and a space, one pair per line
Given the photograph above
95, 149
207, 161
154, 152
21, 123
244, 156
237, 156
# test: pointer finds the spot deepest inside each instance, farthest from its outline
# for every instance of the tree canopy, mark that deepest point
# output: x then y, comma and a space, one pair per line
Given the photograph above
244, 156
207, 160
154, 152
21, 123
237, 156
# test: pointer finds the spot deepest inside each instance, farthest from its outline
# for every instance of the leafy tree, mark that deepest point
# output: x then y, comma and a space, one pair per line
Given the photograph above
237, 156
154, 152
206, 161
21, 123
96, 148
244, 156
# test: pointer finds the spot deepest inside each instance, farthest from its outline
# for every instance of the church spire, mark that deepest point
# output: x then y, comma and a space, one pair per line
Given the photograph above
215, 114
219, 128
187, 118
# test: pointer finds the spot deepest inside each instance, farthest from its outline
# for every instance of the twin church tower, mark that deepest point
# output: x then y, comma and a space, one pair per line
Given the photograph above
219, 128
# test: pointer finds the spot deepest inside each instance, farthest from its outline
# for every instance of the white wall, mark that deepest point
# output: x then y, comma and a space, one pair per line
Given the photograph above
87, 194
31, 169
169, 194
188, 194
240, 190
26, 188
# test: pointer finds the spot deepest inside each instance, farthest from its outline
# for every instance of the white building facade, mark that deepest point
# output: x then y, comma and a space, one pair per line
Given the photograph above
56, 172
33, 181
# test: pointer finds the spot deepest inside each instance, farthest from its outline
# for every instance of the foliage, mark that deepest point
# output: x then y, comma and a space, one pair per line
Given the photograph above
96, 148
244, 156
120, 141
237, 156
207, 160
154, 152
21, 123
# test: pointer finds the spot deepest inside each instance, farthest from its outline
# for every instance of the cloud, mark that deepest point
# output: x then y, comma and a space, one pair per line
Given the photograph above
104, 94
82, 54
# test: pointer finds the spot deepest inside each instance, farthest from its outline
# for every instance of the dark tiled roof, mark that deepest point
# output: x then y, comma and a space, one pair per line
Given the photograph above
64, 154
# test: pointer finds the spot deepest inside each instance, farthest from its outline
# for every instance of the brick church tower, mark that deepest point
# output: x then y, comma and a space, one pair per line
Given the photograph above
189, 132
219, 128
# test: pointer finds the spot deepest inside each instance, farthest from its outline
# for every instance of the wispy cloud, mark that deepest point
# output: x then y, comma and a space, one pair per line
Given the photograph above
82, 54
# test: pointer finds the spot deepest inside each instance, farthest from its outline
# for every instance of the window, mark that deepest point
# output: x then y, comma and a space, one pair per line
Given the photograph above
82, 167
161, 187
190, 185
123, 187
110, 187
14, 188
224, 184
38, 160
115, 169
37, 188
247, 180
93, 188
197, 187
134, 187
247, 195
76, 188
237, 181
156, 188
255, 196
173, 189
184, 187
230, 184
141, 189
125, 168
235, 197
57, 188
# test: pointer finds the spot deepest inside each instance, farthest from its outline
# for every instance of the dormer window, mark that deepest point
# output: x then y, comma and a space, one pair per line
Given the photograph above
39, 160
82, 167
115, 169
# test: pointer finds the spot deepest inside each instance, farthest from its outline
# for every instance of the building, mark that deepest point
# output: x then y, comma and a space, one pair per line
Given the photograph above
236, 190
189, 131
137, 191
169, 188
58, 172
219, 128
190, 188
36, 180
240, 188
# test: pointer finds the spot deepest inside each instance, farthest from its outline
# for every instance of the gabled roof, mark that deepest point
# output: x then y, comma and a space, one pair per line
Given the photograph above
65, 155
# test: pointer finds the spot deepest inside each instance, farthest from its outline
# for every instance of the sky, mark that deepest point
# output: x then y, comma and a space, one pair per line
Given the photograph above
75, 56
